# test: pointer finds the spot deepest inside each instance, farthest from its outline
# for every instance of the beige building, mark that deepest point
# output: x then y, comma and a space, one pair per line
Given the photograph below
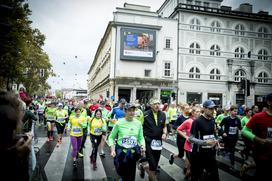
136, 58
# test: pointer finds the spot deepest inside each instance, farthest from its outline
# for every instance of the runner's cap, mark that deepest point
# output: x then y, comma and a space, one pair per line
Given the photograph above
209, 104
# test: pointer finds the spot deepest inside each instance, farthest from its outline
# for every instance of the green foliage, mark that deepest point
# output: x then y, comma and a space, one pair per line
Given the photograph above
21, 52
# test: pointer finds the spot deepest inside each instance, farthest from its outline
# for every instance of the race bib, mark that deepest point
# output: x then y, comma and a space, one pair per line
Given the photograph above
61, 119
156, 145
129, 141
206, 138
232, 130
269, 134
97, 130
50, 117
77, 130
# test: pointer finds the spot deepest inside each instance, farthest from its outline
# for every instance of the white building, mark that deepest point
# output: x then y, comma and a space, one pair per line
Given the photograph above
218, 47
136, 58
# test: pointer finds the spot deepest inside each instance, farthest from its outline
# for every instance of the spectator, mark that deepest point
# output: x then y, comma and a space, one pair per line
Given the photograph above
14, 147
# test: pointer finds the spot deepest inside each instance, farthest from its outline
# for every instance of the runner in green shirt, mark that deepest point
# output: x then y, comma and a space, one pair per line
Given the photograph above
130, 144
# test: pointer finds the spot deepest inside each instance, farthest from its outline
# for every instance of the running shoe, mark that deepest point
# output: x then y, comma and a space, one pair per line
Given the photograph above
171, 159
80, 155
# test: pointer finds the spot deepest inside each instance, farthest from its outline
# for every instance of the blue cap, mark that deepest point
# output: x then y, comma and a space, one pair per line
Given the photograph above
122, 101
209, 104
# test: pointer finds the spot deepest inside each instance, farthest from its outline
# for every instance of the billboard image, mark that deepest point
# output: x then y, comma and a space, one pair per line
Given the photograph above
138, 44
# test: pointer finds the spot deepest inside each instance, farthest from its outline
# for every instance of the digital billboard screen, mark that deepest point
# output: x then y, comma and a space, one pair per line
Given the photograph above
138, 44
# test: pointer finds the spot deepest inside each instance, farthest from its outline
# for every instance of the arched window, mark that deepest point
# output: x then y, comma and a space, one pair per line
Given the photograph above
239, 30
262, 32
239, 75
215, 74
262, 77
239, 52
194, 73
215, 26
262, 54
195, 24
194, 48
215, 50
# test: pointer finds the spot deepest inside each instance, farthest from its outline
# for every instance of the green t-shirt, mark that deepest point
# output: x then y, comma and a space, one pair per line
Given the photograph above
139, 115
244, 121
50, 113
219, 118
130, 133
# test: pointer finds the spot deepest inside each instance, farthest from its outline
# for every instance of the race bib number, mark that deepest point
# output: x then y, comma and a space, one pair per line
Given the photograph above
61, 119
77, 130
97, 130
129, 141
269, 134
50, 117
156, 145
206, 138
232, 130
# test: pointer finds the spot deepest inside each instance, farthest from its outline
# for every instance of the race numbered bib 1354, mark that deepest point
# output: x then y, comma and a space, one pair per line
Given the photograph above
156, 145
129, 141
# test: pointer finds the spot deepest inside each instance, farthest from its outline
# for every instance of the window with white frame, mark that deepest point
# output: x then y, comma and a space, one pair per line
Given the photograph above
240, 30
147, 72
167, 69
215, 50
262, 32
189, 1
262, 77
215, 26
239, 52
215, 74
194, 73
262, 54
194, 48
195, 24
168, 43
239, 75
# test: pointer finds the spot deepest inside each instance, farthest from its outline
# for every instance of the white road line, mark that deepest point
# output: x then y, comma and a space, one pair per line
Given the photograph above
89, 173
55, 166
173, 171
40, 142
169, 147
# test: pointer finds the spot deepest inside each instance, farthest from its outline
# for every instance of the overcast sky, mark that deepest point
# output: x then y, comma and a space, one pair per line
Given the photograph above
73, 29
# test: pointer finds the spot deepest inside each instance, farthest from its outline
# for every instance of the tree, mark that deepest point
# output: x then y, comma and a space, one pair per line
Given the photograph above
21, 53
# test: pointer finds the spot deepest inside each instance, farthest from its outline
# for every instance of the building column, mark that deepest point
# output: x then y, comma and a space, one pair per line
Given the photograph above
133, 94
158, 93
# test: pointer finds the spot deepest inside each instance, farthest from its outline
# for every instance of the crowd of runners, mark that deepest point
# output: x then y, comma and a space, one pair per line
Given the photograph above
135, 133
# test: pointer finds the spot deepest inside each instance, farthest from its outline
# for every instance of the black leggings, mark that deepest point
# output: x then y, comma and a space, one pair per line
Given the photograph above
95, 143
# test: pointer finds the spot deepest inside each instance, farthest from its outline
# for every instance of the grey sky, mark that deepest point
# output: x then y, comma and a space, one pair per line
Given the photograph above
73, 29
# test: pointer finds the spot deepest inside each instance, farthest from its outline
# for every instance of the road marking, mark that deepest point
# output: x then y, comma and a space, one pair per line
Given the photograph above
89, 173
55, 166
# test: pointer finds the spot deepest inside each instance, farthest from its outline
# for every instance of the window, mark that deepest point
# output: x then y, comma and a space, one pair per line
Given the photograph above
167, 43
215, 74
147, 72
262, 54
195, 24
194, 48
239, 75
215, 50
167, 69
198, 3
194, 73
239, 30
262, 77
215, 26
262, 32
189, 1
206, 4
239, 53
